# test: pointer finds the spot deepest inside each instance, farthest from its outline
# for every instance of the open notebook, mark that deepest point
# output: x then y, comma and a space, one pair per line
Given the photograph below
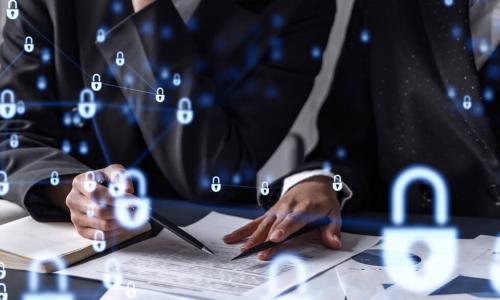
25, 240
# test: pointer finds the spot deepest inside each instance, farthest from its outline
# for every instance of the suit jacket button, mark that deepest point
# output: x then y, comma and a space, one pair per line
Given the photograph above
495, 193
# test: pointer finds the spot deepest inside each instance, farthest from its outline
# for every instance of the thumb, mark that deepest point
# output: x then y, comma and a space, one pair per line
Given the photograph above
330, 234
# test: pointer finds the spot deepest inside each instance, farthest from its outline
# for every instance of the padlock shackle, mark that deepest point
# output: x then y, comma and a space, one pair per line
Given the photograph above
265, 184
3, 176
87, 92
10, 2
34, 283
408, 177
185, 102
5, 93
141, 180
216, 180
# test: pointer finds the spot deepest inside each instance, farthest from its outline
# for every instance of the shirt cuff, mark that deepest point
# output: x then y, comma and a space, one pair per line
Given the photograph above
295, 179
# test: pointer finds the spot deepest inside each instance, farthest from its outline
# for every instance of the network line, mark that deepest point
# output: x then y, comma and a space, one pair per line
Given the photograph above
18, 56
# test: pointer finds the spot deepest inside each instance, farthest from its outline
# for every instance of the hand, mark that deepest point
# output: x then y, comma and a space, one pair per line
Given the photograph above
304, 203
98, 202
140, 4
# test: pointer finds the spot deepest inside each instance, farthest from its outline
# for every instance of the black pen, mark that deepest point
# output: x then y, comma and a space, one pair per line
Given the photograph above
101, 179
268, 245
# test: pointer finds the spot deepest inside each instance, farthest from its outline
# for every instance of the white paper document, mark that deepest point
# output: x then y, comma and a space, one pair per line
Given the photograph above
169, 265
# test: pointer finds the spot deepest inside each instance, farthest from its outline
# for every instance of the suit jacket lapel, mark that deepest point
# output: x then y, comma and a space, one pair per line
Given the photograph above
449, 34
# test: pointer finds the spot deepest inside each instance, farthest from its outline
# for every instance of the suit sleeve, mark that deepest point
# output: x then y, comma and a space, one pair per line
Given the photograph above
238, 126
29, 166
345, 123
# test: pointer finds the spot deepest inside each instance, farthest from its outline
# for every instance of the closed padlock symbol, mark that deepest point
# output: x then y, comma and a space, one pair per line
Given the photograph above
96, 84
3, 272
185, 112
133, 212
120, 58
216, 185
277, 264
66, 146
337, 183
21, 107
264, 189
131, 291
101, 35
160, 95
14, 141
12, 10
83, 148
177, 79
62, 291
41, 83
467, 102
118, 186
87, 106
399, 240
3, 292
90, 183
99, 243
495, 268
29, 46
54, 178
7, 104
4, 183
112, 274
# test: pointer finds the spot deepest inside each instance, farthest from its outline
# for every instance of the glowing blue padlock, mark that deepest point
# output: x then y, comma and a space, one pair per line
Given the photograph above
467, 102
41, 83
62, 292
54, 178
89, 184
120, 59
83, 148
7, 104
87, 106
277, 265
12, 10
112, 274
337, 183
264, 189
3, 272
67, 119
101, 35
96, 84
495, 268
160, 95
141, 205
398, 240
29, 46
185, 112
66, 146
99, 243
177, 79
216, 186
4, 183
21, 107
3, 292
14, 141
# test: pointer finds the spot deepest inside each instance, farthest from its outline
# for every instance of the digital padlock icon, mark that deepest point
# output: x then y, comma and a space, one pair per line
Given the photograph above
277, 264
467, 102
216, 186
99, 242
264, 189
14, 141
20, 107
7, 104
83, 148
87, 106
337, 183
90, 183
66, 146
41, 83
3, 272
118, 186
101, 35
177, 79
112, 274
120, 58
62, 292
3, 292
12, 10
133, 212
398, 240
185, 112
160, 95
54, 178
96, 84
495, 268
29, 46
131, 291
4, 183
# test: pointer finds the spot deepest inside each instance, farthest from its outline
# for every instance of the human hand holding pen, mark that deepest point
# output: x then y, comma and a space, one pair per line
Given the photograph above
306, 202
92, 210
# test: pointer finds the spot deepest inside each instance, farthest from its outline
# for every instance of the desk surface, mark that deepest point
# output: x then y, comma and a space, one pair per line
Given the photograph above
183, 213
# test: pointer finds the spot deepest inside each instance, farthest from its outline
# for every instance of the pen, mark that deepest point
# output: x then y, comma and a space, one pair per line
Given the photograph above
101, 179
267, 245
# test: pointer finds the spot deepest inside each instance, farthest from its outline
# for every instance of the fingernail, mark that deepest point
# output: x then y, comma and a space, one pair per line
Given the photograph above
337, 240
243, 249
277, 235
261, 255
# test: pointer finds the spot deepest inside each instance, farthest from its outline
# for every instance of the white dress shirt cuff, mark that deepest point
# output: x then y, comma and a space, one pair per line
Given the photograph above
294, 179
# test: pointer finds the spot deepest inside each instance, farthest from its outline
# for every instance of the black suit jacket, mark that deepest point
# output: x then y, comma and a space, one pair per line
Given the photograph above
246, 66
396, 101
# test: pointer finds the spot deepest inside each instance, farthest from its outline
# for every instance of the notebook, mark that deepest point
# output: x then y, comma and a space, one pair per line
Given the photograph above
26, 240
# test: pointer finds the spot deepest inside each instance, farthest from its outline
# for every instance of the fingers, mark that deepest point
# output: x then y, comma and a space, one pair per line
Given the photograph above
239, 234
90, 233
261, 233
114, 174
330, 234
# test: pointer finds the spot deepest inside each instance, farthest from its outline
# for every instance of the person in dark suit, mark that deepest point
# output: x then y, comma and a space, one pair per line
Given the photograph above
184, 91
417, 83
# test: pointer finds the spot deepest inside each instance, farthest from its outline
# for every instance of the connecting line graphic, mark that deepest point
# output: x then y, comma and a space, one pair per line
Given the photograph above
149, 150
140, 77
127, 88
73, 103
18, 56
